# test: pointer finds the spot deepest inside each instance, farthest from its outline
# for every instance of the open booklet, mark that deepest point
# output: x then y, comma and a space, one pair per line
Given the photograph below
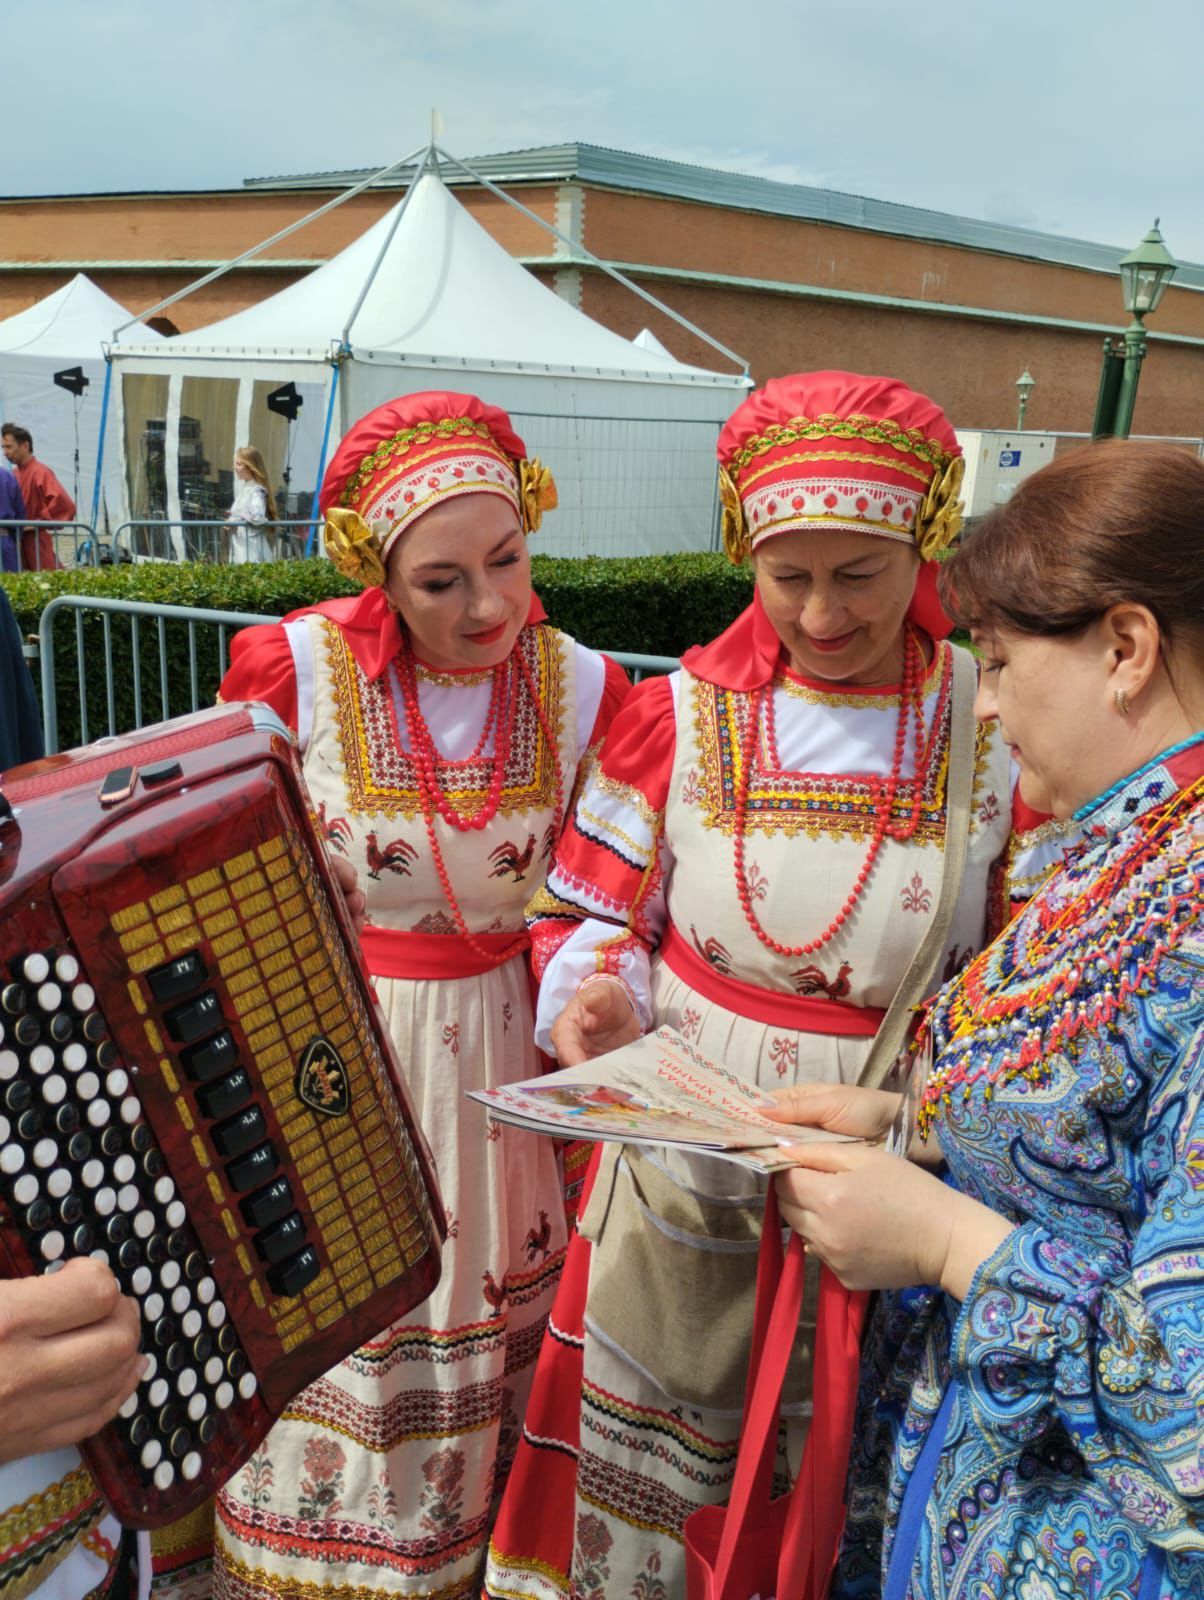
658, 1091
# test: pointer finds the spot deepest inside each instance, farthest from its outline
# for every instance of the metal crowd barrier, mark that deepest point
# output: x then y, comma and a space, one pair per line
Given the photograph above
78, 536
205, 539
188, 653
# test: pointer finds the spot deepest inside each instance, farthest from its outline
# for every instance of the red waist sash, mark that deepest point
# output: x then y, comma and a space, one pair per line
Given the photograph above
390, 953
801, 1013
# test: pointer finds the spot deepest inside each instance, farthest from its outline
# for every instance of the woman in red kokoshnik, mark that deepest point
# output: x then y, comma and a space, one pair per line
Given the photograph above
441, 727
753, 862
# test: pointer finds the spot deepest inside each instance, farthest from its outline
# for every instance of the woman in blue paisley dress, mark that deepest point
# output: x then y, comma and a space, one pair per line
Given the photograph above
1031, 1425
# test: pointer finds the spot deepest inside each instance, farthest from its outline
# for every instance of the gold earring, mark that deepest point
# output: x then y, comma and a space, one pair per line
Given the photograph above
1122, 702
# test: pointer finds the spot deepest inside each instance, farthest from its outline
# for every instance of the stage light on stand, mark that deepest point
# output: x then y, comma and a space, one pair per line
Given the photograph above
72, 379
286, 402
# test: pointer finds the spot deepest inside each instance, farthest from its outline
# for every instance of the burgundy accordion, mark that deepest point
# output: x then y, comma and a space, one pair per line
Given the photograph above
196, 1087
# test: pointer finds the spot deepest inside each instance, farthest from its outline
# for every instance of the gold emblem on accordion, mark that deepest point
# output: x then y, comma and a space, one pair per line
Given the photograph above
322, 1079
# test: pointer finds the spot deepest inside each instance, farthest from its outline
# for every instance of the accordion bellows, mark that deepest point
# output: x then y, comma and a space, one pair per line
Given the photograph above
196, 1086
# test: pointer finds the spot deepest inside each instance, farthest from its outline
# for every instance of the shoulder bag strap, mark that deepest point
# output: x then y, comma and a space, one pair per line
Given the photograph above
917, 980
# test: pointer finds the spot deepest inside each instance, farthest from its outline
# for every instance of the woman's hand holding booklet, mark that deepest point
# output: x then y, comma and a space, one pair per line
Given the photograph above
657, 1090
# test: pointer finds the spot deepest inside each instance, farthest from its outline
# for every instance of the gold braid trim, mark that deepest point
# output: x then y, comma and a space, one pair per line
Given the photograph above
72, 1506
446, 428
190, 1533
521, 1565
908, 441
256, 1580
922, 475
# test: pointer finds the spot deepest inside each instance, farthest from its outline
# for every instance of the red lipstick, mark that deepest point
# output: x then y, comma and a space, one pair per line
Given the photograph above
488, 635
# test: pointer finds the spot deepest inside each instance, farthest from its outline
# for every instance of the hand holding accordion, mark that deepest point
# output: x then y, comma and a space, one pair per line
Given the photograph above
196, 1088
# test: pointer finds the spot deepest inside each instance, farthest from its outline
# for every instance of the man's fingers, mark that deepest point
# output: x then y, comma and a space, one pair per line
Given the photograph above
44, 1412
77, 1415
92, 1355
82, 1293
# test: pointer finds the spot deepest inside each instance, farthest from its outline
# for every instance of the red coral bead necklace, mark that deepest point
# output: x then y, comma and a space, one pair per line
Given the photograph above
502, 714
911, 704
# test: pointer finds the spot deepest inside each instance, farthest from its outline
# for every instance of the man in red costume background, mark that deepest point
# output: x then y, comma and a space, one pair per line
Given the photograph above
45, 498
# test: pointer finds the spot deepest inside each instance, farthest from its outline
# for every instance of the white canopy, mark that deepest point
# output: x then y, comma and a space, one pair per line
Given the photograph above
647, 340
426, 299
66, 329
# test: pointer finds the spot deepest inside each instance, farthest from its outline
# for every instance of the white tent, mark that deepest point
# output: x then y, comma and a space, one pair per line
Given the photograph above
647, 340
67, 329
426, 299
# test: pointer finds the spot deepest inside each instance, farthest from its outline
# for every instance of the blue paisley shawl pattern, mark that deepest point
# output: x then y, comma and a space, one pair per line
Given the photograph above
1073, 1464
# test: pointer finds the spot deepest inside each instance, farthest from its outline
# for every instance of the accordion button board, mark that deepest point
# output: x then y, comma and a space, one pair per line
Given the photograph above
196, 1089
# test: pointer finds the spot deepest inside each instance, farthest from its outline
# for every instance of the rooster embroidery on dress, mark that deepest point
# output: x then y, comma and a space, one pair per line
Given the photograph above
535, 1242
811, 981
509, 858
395, 857
336, 831
495, 1293
713, 953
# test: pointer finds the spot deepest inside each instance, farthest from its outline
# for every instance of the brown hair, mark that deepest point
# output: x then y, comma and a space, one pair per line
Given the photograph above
1104, 525
253, 461
17, 432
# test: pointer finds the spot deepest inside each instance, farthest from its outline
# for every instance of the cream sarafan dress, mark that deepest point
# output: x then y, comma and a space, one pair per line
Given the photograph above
383, 1476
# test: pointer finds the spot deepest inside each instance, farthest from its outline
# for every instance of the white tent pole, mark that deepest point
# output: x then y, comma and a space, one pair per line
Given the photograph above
348, 194
597, 261
384, 249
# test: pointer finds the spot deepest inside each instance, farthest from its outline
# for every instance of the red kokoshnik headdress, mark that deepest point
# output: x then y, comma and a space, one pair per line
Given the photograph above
831, 450
412, 454
837, 450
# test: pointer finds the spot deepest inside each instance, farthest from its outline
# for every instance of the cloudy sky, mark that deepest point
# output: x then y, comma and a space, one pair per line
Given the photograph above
1080, 117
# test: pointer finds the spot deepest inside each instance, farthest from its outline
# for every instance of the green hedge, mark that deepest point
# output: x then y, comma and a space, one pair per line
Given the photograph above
651, 605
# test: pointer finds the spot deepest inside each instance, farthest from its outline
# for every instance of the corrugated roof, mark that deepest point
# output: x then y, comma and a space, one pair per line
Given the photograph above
621, 169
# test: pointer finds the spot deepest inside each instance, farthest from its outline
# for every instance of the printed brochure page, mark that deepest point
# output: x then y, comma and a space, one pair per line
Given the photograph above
657, 1091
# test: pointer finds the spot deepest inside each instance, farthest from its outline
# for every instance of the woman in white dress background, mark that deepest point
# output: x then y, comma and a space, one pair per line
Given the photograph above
246, 538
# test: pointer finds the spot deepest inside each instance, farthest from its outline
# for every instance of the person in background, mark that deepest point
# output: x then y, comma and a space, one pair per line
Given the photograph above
441, 729
754, 862
45, 498
1030, 1423
254, 504
12, 509
20, 719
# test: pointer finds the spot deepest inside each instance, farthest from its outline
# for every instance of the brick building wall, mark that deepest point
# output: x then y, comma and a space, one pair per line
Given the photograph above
780, 290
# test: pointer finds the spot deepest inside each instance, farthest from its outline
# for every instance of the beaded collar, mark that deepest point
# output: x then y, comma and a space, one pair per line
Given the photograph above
1092, 937
1140, 791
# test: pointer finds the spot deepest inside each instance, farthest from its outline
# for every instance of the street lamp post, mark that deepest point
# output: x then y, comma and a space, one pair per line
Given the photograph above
1025, 384
1144, 275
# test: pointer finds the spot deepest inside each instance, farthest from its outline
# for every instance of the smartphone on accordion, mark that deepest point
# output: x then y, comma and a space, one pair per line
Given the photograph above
197, 1087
